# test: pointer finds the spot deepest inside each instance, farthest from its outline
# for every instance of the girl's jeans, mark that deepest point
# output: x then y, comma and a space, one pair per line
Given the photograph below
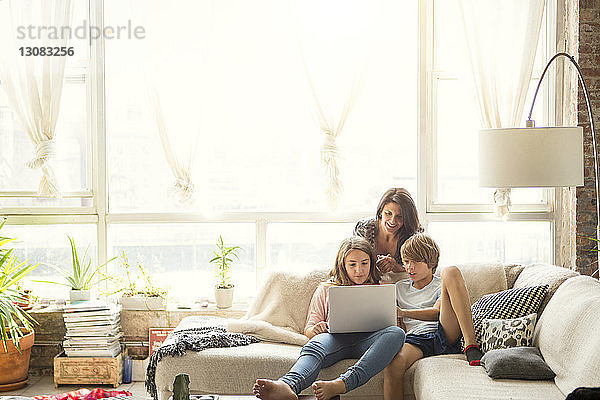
375, 350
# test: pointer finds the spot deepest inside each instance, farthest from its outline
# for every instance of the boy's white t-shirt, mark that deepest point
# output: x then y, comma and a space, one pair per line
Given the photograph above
409, 297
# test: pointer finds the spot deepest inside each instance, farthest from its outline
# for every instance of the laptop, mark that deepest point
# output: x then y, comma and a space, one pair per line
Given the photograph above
362, 308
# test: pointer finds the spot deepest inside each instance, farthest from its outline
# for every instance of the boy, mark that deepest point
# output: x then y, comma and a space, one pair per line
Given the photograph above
435, 312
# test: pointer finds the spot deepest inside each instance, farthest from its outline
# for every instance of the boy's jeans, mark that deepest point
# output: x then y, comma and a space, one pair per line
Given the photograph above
375, 350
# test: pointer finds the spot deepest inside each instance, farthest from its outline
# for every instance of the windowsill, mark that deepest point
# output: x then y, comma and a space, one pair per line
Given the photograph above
237, 307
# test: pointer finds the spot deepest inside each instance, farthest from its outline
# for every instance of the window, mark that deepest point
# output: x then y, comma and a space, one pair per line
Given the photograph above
48, 244
72, 164
176, 255
456, 121
458, 210
233, 89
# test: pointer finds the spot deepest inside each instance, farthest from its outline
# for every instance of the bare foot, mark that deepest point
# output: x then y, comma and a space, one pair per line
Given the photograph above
325, 390
267, 389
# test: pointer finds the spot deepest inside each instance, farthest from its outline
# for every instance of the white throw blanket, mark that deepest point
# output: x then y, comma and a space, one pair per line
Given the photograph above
279, 312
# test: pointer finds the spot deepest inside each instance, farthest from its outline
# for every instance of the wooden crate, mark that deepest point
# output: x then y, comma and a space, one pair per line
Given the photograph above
88, 370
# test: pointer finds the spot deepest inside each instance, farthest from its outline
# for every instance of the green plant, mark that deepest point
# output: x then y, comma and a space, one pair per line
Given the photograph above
81, 276
14, 322
223, 261
129, 284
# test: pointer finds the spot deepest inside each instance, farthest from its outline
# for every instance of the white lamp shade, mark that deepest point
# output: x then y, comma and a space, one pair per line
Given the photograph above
531, 157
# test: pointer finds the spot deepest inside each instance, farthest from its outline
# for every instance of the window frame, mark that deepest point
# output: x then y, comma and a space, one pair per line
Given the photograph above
429, 208
426, 184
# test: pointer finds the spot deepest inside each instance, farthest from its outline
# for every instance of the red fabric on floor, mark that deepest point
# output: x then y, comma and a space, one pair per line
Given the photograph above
85, 394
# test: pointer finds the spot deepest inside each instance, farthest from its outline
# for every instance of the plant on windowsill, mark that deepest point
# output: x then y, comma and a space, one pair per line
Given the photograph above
81, 276
16, 325
135, 295
222, 260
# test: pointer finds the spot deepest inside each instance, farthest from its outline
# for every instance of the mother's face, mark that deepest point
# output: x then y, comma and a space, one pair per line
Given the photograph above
391, 218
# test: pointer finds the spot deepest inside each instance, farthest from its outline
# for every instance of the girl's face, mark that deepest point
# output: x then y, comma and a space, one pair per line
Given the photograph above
358, 266
391, 218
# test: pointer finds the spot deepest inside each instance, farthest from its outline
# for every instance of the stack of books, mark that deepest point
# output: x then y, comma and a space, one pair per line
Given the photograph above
93, 330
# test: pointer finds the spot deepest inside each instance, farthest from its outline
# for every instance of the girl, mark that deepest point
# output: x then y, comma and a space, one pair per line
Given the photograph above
354, 265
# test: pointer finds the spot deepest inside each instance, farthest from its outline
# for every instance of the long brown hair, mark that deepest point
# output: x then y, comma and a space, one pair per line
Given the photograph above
339, 276
410, 217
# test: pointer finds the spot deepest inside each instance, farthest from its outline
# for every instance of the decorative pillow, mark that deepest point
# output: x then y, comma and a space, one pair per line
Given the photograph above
511, 303
505, 333
516, 363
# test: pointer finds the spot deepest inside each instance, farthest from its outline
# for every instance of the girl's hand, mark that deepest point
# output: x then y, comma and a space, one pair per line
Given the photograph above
320, 327
400, 313
400, 318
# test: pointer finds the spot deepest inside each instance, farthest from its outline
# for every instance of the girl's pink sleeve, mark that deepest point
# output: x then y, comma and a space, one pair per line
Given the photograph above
318, 309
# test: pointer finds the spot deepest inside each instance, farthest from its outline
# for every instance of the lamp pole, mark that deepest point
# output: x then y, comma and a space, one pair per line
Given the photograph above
530, 124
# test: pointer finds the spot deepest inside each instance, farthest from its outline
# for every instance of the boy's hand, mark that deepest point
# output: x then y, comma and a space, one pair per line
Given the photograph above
320, 327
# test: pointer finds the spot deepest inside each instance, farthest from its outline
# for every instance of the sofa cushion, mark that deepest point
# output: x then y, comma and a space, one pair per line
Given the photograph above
516, 363
511, 303
505, 333
567, 333
450, 377
234, 370
512, 272
482, 279
544, 274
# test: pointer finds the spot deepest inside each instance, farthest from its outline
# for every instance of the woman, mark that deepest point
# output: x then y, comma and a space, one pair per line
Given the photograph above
396, 220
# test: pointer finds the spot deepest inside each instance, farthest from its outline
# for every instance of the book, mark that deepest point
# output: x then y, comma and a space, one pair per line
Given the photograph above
93, 330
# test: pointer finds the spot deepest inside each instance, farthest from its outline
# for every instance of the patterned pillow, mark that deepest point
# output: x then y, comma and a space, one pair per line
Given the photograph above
505, 333
511, 303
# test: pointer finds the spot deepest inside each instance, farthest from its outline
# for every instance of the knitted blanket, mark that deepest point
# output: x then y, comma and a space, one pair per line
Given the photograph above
178, 342
278, 314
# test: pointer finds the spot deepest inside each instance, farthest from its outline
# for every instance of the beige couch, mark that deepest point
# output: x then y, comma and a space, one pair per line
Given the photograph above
566, 334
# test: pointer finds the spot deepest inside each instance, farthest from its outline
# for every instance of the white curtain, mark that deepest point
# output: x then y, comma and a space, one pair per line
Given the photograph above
173, 97
334, 39
180, 163
331, 125
502, 38
34, 84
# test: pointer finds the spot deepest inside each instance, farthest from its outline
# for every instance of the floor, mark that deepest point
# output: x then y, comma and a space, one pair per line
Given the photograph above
39, 385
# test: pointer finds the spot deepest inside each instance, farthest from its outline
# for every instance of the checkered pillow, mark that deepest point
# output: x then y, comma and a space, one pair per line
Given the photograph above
511, 303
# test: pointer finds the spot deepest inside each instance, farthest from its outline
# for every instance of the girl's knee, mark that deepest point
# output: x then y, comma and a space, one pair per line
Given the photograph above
315, 349
398, 334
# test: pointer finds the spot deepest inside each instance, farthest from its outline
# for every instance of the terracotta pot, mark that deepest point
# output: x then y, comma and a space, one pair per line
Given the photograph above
14, 365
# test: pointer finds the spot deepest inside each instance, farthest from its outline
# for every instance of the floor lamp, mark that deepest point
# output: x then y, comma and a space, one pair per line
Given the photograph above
537, 157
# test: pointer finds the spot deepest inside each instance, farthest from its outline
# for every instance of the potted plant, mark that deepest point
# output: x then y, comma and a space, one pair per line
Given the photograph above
223, 260
135, 295
16, 325
80, 277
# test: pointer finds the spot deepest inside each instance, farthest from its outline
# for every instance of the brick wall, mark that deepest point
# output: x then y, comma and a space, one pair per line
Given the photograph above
589, 61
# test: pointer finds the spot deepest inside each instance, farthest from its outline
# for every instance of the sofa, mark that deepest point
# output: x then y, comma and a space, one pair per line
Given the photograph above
566, 334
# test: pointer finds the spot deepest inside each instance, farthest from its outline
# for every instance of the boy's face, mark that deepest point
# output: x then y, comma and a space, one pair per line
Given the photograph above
418, 270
